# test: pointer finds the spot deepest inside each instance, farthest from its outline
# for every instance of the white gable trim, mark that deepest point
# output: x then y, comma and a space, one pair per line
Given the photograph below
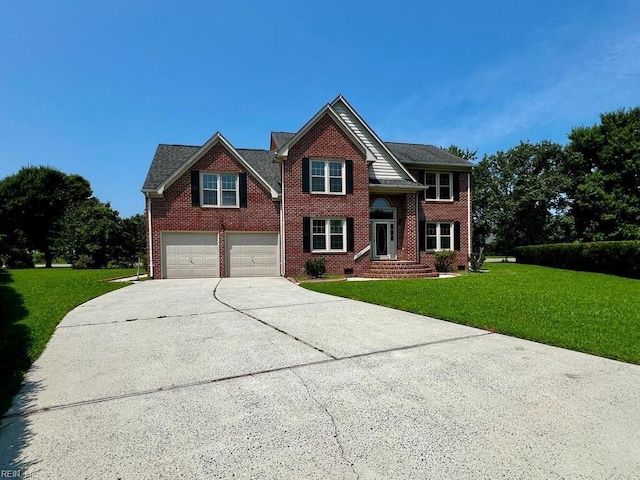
341, 99
283, 151
213, 141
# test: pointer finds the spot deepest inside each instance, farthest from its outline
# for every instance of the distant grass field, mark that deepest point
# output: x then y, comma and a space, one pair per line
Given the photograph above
588, 312
32, 303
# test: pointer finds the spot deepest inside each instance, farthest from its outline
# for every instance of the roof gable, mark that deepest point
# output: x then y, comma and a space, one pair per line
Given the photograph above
179, 159
283, 151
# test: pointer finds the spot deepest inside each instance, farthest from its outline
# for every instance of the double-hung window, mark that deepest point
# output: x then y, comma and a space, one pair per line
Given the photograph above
219, 189
440, 185
327, 176
328, 234
439, 236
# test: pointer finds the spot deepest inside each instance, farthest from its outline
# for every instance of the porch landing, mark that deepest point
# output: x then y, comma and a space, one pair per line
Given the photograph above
398, 269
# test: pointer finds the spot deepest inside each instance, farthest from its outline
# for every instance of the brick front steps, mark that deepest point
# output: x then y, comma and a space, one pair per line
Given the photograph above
398, 269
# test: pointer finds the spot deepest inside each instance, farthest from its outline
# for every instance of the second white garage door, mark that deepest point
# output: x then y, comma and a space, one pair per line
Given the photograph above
253, 254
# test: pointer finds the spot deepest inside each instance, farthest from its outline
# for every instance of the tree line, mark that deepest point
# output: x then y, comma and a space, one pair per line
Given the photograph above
537, 193
45, 212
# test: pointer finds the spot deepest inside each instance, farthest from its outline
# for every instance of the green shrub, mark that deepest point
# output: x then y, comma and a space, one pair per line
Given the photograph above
83, 262
316, 267
444, 259
619, 258
476, 260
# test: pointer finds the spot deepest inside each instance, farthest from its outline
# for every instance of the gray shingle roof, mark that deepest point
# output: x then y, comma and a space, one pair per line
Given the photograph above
407, 153
280, 138
416, 154
264, 162
386, 182
169, 158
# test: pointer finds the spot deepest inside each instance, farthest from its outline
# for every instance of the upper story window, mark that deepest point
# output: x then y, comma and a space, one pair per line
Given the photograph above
440, 186
219, 190
327, 176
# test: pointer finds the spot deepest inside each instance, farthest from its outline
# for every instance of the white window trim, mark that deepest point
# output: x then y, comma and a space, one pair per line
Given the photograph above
439, 236
327, 234
327, 181
437, 186
219, 189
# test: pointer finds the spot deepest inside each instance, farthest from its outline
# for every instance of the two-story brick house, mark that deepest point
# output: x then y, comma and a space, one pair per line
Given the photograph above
332, 189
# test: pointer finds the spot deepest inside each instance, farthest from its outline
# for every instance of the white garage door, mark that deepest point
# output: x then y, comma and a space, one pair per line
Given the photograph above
253, 254
191, 255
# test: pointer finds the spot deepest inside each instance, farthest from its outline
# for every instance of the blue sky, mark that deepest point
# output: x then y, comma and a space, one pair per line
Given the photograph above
92, 87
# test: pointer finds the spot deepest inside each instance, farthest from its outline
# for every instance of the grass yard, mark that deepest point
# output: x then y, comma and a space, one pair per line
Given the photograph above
588, 312
32, 303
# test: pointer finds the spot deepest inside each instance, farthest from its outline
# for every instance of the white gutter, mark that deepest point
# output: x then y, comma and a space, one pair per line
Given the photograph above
469, 213
150, 236
282, 241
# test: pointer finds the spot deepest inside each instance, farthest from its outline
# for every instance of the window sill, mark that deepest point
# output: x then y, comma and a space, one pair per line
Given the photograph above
327, 193
325, 252
437, 200
220, 206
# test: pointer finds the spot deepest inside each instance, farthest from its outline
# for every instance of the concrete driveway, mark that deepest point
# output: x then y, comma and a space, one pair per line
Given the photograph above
258, 378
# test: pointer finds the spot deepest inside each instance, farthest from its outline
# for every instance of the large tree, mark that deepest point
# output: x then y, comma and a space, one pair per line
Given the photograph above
604, 165
90, 234
32, 203
520, 195
133, 244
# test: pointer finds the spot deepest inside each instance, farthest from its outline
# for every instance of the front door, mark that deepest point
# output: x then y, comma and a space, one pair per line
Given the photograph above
383, 239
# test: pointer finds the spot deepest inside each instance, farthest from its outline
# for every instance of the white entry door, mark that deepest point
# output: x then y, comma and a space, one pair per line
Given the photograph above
383, 239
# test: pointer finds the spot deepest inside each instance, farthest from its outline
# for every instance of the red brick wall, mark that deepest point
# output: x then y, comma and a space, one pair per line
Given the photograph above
325, 140
405, 205
174, 212
456, 211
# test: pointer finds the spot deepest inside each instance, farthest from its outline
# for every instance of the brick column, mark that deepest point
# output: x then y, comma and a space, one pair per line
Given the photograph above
410, 228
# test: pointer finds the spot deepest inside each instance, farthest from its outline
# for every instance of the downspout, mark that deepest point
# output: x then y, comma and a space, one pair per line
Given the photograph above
417, 228
283, 268
469, 213
150, 236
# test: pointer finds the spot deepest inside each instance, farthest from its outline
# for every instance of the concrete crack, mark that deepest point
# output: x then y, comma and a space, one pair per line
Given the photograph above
336, 433
242, 312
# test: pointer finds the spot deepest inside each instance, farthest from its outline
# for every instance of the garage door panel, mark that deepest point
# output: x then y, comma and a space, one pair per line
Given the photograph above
191, 255
253, 254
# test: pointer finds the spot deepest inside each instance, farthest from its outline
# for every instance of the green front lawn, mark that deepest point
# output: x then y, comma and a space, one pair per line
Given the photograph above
587, 312
32, 303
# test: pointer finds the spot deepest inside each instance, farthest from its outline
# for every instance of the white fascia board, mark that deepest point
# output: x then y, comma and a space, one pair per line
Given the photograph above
343, 100
283, 151
214, 140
